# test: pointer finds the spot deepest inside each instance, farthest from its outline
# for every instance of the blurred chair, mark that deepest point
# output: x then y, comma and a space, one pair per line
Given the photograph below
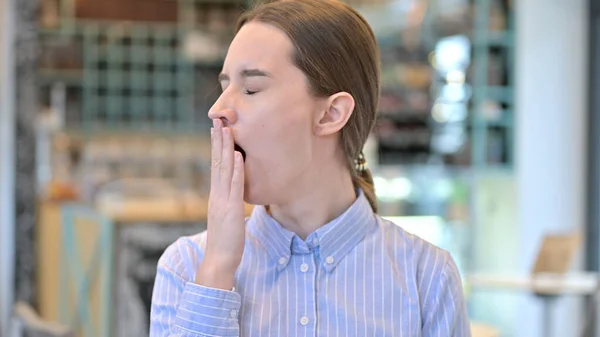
86, 271
483, 330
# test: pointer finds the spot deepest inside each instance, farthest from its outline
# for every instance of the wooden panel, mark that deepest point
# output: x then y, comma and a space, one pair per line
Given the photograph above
127, 10
50, 252
48, 257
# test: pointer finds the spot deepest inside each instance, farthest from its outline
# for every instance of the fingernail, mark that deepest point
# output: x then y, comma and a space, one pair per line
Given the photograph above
214, 123
212, 130
226, 131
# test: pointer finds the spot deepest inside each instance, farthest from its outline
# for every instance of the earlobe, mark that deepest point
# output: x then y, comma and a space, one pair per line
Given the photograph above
337, 110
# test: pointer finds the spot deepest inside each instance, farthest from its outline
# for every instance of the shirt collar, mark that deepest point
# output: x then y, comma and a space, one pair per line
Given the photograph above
335, 240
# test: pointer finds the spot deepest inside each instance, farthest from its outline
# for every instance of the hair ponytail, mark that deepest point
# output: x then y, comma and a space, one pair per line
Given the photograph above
363, 179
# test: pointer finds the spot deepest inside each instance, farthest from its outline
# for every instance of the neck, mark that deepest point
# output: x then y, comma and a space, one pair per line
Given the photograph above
323, 195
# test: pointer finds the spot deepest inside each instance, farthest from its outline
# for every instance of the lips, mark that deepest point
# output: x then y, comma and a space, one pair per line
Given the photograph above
240, 150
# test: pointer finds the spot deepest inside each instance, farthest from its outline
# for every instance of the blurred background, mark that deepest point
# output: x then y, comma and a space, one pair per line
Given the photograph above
486, 145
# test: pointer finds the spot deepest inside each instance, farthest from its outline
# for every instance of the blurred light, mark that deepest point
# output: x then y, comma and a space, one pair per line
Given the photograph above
428, 228
200, 46
449, 112
452, 53
432, 59
394, 189
455, 77
437, 112
449, 139
455, 92
443, 189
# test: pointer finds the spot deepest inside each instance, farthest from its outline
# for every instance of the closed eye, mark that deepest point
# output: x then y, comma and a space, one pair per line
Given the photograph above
249, 92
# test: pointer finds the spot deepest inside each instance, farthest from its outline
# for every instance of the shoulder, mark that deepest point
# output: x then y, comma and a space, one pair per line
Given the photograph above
421, 257
425, 267
183, 256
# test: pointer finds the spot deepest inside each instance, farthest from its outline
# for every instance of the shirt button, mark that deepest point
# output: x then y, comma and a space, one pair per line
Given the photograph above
330, 260
282, 260
304, 320
304, 268
233, 313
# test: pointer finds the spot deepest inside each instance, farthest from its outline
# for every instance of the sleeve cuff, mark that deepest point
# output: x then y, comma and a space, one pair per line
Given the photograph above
208, 311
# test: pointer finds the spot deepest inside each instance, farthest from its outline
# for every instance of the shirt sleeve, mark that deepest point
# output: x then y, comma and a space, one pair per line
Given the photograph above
445, 308
181, 308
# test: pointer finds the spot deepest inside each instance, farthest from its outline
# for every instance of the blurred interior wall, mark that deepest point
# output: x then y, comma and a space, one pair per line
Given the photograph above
26, 53
593, 252
551, 109
593, 237
7, 164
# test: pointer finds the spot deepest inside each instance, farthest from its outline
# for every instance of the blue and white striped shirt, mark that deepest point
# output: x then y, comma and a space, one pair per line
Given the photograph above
359, 275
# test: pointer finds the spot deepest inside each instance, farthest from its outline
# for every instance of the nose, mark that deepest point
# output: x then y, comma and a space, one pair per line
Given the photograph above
223, 109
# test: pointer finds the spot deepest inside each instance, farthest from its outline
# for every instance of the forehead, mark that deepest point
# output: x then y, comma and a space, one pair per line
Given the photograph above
259, 45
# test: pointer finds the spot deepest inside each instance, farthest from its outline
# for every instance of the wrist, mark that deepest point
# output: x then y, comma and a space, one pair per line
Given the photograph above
215, 274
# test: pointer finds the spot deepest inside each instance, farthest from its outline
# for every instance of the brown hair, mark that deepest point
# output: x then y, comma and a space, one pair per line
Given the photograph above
336, 49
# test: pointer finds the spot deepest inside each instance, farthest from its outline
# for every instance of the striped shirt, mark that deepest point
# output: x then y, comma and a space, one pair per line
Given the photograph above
359, 275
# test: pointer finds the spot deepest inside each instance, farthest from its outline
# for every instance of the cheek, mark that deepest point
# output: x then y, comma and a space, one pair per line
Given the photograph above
280, 128
279, 141
280, 147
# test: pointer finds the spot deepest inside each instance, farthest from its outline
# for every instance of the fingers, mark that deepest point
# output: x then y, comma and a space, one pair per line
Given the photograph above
226, 160
216, 140
223, 163
237, 180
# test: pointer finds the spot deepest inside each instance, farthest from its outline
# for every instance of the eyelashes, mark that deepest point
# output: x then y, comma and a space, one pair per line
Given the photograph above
245, 91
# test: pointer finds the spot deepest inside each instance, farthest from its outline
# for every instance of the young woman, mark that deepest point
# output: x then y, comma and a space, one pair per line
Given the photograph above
300, 91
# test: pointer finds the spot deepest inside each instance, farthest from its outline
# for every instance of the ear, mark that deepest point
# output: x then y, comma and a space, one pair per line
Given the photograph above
334, 114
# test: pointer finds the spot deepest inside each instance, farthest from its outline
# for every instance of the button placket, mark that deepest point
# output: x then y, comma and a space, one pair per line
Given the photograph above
307, 267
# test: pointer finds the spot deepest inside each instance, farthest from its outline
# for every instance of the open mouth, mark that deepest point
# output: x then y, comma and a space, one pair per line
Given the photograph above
240, 150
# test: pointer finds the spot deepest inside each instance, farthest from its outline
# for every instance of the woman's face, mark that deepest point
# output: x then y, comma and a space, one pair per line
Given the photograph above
267, 104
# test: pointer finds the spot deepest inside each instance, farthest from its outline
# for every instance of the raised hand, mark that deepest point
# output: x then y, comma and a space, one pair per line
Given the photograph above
226, 227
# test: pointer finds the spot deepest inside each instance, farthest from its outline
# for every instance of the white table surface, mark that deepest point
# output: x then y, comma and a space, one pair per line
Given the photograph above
545, 284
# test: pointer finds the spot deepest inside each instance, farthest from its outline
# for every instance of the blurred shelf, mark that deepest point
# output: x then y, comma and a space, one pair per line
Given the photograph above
82, 27
495, 39
209, 64
72, 77
401, 144
216, 2
406, 115
199, 130
504, 120
502, 94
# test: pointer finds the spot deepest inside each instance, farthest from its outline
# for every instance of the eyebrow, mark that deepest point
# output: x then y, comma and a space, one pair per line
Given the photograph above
246, 73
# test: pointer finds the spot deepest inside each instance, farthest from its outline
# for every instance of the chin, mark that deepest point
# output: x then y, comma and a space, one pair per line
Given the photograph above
255, 195
255, 192
254, 198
